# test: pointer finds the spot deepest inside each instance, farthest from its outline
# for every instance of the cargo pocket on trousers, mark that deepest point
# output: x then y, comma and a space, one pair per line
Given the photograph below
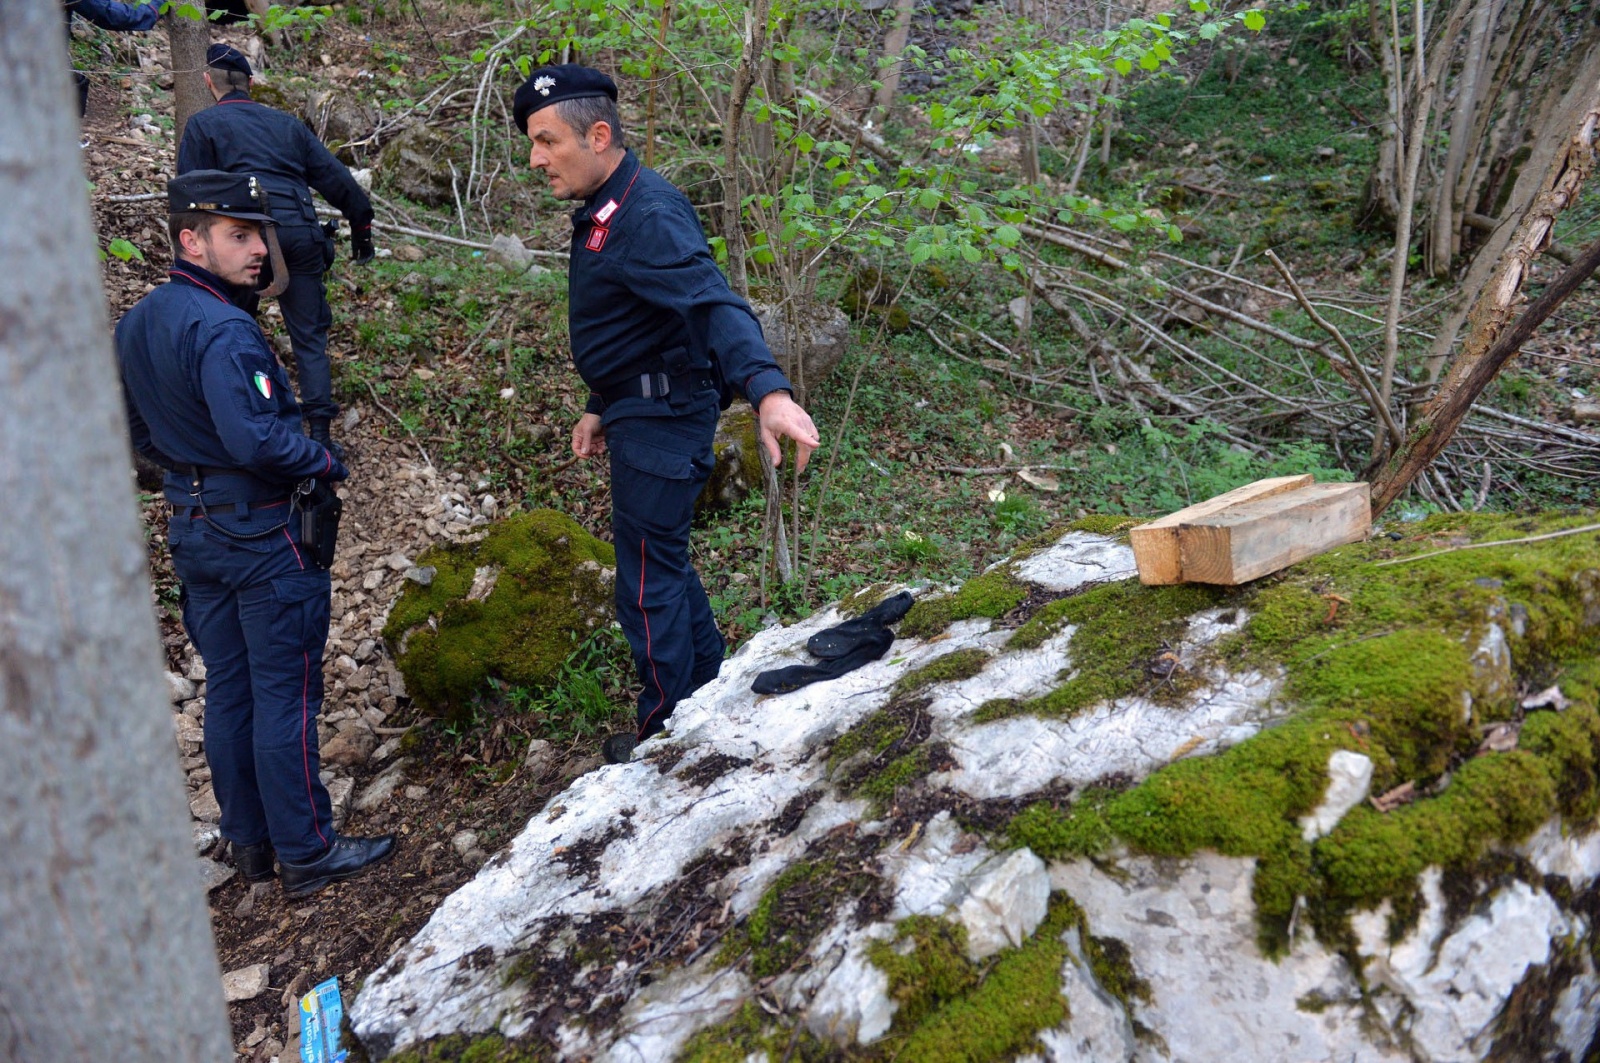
303, 599
652, 459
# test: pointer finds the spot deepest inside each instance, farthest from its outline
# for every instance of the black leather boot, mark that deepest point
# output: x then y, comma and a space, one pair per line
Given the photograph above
320, 434
254, 861
345, 858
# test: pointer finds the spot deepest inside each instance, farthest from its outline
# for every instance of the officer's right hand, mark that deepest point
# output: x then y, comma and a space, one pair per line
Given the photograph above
361, 244
588, 436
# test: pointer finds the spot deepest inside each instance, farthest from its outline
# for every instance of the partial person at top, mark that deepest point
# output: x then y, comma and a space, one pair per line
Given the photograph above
240, 135
108, 15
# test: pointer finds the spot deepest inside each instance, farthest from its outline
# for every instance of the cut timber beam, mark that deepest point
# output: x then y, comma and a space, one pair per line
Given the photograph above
1249, 541
1156, 547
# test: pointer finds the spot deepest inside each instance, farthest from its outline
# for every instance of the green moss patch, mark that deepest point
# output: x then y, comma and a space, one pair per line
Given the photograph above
991, 595
751, 1031
952, 1010
1378, 661
793, 911
886, 751
950, 668
548, 592
490, 1048
1123, 631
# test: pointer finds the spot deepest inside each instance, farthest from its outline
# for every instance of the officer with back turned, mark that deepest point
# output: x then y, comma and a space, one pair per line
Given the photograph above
659, 338
208, 402
242, 136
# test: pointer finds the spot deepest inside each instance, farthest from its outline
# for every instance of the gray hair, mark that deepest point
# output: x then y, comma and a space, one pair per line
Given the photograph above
582, 113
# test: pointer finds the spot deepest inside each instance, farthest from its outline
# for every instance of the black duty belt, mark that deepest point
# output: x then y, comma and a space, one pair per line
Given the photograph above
659, 386
236, 508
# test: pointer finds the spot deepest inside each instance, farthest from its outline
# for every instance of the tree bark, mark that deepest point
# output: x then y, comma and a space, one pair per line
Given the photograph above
1534, 180
189, 37
755, 37
1491, 343
103, 926
894, 46
1447, 207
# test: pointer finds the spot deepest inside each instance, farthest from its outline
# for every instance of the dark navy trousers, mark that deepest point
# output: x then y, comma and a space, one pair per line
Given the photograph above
304, 305
658, 467
257, 611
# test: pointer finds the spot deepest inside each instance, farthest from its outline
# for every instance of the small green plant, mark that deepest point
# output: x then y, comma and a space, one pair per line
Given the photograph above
914, 548
586, 696
122, 250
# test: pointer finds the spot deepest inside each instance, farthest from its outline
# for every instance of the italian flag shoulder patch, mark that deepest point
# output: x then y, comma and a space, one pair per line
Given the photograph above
263, 384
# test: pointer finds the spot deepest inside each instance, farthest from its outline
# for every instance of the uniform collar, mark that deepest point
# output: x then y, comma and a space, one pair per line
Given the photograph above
615, 188
185, 272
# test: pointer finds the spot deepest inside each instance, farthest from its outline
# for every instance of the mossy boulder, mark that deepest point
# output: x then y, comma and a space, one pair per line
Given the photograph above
738, 468
417, 165
509, 607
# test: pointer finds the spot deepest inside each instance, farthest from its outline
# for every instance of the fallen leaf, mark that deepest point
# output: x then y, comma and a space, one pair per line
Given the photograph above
1502, 738
1403, 794
1549, 698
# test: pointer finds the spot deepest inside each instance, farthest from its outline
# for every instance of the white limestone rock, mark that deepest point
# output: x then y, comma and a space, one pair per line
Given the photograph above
744, 785
1078, 558
1099, 1030
1190, 929
1349, 781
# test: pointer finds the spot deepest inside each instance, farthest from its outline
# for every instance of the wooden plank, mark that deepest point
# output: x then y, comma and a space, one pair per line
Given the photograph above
1155, 545
1253, 539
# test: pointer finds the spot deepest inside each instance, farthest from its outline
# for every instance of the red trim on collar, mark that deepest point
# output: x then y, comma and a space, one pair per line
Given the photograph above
174, 270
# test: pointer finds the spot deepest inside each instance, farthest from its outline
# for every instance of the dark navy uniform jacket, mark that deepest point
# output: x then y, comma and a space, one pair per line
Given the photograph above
111, 15
645, 296
203, 389
242, 136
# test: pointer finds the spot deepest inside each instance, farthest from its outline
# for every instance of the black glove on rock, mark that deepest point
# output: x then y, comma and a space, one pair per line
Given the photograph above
361, 243
841, 639
843, 648
868, 647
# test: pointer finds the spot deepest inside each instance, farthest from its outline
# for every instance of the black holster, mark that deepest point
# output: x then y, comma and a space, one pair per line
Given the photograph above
315, 520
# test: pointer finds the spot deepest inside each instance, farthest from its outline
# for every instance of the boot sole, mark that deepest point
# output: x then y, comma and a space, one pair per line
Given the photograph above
305, 889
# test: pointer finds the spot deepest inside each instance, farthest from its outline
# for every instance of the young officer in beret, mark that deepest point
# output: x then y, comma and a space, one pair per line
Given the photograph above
240, 135
658, 336
208, 402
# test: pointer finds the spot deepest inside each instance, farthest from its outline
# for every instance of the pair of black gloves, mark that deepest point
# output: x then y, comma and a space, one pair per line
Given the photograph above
841, 648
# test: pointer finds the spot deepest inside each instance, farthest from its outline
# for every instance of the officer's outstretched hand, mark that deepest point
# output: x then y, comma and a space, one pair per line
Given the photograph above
361, 246
588, 436
780, 417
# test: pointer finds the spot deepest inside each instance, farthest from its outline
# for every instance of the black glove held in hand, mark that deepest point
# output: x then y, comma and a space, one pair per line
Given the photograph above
361, 244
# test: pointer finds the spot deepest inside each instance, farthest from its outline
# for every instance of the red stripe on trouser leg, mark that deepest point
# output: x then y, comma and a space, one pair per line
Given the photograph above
305, 747
661, 695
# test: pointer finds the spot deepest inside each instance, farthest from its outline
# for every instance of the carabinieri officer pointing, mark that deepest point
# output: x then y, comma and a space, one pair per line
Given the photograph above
208, 402
659, 338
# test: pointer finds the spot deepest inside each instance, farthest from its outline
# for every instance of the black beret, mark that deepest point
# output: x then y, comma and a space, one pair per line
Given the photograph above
227, 58
552, 84
235, 195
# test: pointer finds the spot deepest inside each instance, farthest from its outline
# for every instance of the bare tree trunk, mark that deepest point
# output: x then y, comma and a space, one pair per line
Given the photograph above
1383, 195
1421, 106
655, 80
190, 37
1534, 181
1447, 207
755, 36
894, 46
103, 927
1491, 343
